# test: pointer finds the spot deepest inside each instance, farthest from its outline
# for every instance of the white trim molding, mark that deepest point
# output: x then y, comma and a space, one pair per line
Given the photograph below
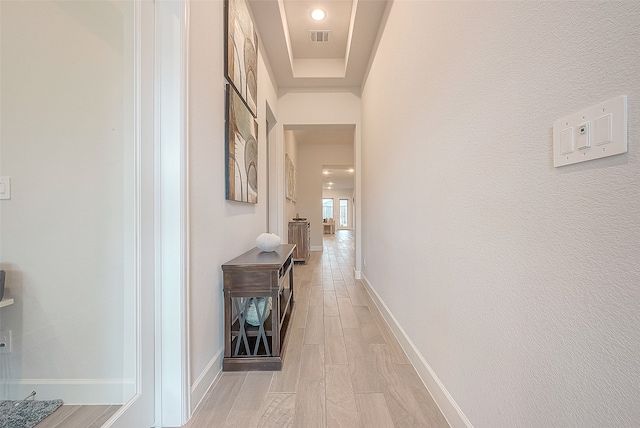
172, 337
441, 396
76, 391
139, 391
207, 378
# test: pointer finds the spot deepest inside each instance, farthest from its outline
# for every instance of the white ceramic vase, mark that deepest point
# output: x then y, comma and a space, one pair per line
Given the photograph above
268, 242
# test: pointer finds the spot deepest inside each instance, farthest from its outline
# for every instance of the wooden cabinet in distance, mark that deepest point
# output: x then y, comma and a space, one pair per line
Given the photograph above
300, 235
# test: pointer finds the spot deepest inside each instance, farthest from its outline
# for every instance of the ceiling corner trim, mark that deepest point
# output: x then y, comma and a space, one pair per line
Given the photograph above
287, 35
354, 9
376, 43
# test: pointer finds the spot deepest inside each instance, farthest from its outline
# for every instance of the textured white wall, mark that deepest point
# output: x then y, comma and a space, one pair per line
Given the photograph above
517, 281
67, 144
219, 230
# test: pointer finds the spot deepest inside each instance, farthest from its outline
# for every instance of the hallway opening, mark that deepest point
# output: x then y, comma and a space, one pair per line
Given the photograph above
343, 366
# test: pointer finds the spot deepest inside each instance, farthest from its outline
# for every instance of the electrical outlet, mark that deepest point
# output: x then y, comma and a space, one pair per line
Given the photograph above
5, 342
364, 261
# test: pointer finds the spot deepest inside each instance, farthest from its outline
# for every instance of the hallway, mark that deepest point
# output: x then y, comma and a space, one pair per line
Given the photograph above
342, 368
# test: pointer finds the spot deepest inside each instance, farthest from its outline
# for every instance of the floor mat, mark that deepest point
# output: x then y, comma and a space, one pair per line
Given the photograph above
26, 413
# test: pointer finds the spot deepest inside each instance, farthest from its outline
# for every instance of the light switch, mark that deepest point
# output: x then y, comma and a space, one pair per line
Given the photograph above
596, 132
566, 141
602, 129
5, 187
584, 142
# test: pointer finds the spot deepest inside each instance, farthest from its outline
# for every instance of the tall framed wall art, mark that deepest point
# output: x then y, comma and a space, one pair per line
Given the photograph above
241, 150
241, 52
241, 71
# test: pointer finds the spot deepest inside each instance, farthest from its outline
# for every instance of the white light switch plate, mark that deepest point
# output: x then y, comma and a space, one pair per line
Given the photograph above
5, 187
600, 142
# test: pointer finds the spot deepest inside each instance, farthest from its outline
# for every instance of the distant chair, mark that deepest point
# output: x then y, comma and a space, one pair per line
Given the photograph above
329, 225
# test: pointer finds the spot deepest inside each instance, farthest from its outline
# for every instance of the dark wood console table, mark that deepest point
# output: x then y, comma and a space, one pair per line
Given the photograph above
249, 278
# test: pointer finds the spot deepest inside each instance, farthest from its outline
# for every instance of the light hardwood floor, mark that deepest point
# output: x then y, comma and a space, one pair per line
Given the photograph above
343, 366
78, 417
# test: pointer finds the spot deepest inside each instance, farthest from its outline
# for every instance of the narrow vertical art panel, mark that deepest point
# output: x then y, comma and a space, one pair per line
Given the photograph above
241, 52
290, 179
242, 151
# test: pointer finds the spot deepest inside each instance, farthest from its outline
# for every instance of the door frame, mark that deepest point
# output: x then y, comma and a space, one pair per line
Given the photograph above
162, 368
139, 410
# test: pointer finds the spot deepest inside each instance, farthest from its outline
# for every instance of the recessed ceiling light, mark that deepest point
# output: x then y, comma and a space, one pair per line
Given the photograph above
318, 14
325, 172
351, 170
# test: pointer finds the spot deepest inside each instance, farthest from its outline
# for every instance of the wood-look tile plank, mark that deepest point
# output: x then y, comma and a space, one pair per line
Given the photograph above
428, 407
276, 411
301, 304
216, 405
62, 413
299, 317
348, 278
83, 416
398, 354
310, 398
364, 377
370, 331
403, 406
286, 380
330, 304
316, 296
347, 316
301, 294
356, 296
341, 404
360, 286
249, 399
328, 286
334, 347
373, 411
314, 331
341, 291
104, 417
338, 283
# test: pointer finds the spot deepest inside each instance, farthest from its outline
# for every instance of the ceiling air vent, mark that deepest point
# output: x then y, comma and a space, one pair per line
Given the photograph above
321, 36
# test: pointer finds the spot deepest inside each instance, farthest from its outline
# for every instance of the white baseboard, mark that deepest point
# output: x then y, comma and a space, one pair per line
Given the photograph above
205, 380
357, 274
441, 396
316, 248
71, 391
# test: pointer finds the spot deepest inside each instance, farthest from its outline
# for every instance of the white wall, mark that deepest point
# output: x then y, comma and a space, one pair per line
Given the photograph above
516, 281
337, 195
219, 230
66, 233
